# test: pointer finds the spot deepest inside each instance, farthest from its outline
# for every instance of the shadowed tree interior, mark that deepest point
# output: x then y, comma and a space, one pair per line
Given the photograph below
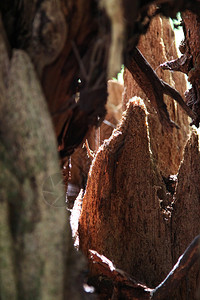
62, 132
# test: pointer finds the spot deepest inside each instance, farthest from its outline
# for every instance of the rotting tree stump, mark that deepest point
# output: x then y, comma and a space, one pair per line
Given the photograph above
128, 215
121, 215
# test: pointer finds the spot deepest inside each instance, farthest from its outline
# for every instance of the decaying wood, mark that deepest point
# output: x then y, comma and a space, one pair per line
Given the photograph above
154, 87
116, 198
158, 44
84, 57
189, 62
138, 205
59, 68
126, 286
81, 159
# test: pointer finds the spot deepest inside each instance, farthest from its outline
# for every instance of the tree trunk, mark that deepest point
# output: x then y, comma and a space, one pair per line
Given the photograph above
37, 256
121, 207
65, 49
129, 212
186, 214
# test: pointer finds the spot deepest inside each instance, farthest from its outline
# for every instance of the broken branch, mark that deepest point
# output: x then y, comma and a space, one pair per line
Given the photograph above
154, 87
170, 91
121, 279
181, 64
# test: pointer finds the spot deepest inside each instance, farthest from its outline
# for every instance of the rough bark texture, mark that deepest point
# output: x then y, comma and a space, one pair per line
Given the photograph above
65, 35
36, 247
192, 38
125, 286
68, 40
123, 192
127, 207
126, 210
158, 45
186, 213
83, 57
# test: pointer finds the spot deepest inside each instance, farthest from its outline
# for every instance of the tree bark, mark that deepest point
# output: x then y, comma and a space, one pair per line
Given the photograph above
128, 213
126, 287
64, 38
186, 213
121, 208
158, 45
58, 43
39, 261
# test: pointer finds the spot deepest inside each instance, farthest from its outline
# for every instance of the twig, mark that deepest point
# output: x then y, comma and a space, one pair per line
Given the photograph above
108, 123
180, 64
90, 153
95, 61
81, 65
170, 91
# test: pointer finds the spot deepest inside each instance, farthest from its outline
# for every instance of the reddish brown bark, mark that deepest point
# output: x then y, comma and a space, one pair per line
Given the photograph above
186, 214
167, 147
121, 212
64, 71
127, 208
85, 52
